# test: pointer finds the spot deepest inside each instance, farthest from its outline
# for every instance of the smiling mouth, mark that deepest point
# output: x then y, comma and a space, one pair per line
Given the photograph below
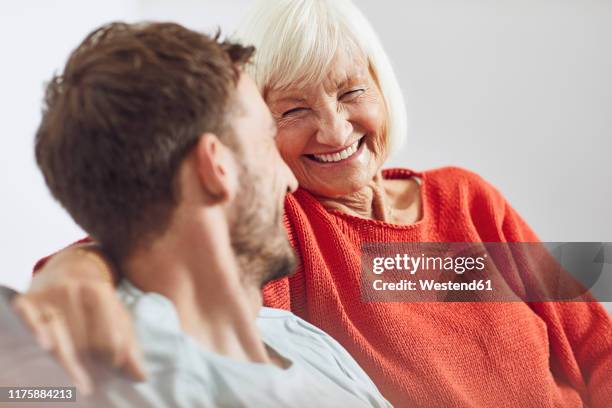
337, 156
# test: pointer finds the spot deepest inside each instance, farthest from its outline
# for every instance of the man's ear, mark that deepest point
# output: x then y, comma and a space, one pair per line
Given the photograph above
216, 168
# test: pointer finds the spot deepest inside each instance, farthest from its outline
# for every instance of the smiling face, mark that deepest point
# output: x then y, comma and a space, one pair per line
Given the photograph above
332, 134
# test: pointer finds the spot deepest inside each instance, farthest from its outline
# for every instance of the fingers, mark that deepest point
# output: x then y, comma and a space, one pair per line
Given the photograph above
111, 335
66, 353
133, 363
32, 318
53, 335
104, 337
76, 320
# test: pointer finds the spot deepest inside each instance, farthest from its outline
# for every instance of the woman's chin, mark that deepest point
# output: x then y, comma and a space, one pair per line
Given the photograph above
336, 186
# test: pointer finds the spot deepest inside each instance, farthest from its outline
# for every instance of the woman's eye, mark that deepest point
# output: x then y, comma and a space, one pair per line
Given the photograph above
352, 94
292, 111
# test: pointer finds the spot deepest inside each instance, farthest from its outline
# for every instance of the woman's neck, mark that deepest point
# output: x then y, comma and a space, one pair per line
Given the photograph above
394, 201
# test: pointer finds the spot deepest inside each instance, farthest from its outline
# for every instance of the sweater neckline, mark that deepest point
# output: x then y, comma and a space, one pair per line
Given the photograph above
388, 174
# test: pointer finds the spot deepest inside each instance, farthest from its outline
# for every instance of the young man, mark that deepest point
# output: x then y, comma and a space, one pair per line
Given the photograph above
163, 151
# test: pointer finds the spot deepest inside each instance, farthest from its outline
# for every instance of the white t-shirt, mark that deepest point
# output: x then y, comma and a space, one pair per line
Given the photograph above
182, 373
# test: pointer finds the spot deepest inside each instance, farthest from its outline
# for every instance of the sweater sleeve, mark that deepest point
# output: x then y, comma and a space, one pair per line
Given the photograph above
41, 262
579, 333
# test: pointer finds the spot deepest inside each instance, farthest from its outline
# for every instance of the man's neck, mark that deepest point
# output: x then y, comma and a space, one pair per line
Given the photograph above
194, 266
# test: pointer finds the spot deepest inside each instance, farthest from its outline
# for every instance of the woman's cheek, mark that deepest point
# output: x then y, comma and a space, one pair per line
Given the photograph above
370, 114
290, 148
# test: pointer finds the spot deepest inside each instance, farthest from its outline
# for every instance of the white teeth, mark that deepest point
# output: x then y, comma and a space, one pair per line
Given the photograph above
334, 157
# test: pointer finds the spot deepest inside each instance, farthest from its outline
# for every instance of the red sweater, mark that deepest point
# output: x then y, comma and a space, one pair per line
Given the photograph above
445, 354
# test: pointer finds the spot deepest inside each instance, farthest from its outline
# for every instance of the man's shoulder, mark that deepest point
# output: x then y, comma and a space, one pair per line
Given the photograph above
279, 319
283, 329
300, 340
275, 313
157, 327
148, 306
274, 316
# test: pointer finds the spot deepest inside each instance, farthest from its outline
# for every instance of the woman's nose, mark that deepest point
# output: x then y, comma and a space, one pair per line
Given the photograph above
334, 129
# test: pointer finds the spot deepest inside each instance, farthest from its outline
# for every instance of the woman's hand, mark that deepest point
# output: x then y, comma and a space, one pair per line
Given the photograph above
74, 312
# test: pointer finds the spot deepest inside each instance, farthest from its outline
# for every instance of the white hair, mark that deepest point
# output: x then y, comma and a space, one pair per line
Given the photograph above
296, 41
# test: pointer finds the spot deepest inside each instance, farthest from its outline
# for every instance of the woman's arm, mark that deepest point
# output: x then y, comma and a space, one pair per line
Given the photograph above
579, 331
74, 312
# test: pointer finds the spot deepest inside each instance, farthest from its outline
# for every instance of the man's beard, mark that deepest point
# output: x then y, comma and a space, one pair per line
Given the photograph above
258, 236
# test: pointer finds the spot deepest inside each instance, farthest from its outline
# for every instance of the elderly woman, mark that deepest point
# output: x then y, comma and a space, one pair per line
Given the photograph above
339, 110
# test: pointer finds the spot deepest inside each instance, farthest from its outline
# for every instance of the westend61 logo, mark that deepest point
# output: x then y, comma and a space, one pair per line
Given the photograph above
476, 272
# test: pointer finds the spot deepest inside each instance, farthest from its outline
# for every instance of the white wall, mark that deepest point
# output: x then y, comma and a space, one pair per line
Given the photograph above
36, 38
516, 90
519, 91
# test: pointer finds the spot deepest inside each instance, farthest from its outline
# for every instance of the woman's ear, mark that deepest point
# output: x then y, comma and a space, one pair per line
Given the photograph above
216, 168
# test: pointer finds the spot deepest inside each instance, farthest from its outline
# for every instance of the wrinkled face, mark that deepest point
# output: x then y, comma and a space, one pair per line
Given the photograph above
257, 232
332, 134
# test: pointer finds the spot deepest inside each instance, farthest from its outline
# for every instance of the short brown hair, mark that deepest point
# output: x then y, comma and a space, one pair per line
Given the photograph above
132, 101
